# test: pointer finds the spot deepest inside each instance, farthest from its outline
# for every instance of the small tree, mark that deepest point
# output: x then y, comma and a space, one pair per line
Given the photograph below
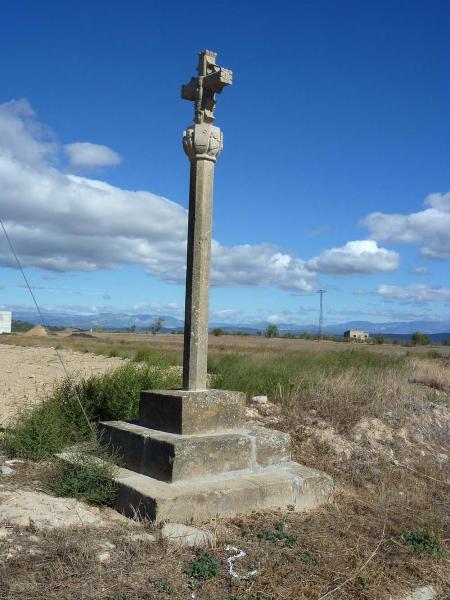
156, 326
419, 339
271, 331
217, 331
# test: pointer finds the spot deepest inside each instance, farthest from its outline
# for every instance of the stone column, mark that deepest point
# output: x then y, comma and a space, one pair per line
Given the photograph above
202, 144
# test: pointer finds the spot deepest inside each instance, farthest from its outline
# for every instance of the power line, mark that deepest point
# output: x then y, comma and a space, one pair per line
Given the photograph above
43, 323
321, 292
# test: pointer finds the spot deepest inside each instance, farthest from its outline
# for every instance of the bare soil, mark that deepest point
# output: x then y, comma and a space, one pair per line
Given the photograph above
27, 374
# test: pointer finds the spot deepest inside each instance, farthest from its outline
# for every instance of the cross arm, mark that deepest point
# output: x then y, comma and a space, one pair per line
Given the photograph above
218, 80
189, 91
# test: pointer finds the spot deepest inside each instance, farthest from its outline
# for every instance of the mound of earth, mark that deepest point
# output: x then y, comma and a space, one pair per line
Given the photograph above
37, 330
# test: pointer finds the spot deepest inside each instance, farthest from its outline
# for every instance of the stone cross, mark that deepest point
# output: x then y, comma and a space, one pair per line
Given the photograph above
202, 143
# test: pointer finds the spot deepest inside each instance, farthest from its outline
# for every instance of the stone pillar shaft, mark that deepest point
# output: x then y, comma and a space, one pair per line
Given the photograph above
198, 274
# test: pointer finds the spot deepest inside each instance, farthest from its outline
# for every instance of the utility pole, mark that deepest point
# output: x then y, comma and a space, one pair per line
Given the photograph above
321, 293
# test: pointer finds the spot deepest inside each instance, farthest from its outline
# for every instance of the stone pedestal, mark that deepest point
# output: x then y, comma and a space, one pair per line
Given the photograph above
190, 455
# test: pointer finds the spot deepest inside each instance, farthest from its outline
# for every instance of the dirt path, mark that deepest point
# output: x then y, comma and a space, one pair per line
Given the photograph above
26, 374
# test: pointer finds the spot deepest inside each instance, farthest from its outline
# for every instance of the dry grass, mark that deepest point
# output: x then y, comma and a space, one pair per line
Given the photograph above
126, 344
382, 433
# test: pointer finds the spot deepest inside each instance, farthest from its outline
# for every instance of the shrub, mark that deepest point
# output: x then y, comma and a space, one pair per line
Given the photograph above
58, 421
84, 476
381, 339
217, 331
156, 326
419, 339
271, 331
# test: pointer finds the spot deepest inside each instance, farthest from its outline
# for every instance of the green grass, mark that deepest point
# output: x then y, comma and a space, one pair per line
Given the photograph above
279, 375
58, 422
87, 476
161, 359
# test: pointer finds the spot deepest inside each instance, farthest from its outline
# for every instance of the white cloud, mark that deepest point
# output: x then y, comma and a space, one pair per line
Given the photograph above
84, 155
259, 266
429, 228
419, 293
359, 257
419, 271
64, 222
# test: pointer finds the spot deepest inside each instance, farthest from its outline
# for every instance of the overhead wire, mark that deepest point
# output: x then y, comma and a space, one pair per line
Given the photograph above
44, 324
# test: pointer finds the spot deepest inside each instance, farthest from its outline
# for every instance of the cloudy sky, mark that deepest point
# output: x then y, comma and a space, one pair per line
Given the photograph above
335, 171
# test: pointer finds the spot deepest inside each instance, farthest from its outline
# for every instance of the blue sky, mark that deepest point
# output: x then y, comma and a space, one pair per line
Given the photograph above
336, 131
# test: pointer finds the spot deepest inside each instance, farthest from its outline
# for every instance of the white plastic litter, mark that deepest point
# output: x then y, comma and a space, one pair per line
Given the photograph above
239, 554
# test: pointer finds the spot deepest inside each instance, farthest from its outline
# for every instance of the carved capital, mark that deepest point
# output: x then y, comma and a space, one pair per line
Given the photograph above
202, 142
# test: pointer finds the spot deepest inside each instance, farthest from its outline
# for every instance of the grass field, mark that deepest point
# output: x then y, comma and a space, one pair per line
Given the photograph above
376, 418
170, 346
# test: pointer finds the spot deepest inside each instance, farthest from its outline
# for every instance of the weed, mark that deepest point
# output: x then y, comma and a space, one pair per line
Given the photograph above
306, 558
58, 421
202, 567
362, 583
87, 475
47, 428
423, 542
279, 535
164, 585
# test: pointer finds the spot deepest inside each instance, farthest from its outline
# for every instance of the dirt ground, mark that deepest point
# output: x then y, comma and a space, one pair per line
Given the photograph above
27, 373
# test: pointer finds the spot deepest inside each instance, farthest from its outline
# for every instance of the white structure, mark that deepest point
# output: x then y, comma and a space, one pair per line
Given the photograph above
5, 321
356, 334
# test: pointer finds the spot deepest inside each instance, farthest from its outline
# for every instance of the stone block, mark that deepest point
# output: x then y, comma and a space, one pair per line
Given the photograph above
283, 486
272, 446
172, 457
189, 412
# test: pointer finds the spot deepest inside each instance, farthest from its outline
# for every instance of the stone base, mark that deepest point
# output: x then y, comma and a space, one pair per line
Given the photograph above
186, 412
171, 457
291, 486
191, 457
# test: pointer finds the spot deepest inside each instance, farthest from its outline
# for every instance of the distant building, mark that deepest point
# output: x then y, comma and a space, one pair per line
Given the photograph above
5, 321
356, 334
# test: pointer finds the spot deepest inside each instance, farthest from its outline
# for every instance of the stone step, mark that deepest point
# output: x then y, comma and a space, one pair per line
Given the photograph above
171, 457
188, 412
289, 486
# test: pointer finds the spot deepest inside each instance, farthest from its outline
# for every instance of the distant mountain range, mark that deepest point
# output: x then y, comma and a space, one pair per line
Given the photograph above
142, 321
